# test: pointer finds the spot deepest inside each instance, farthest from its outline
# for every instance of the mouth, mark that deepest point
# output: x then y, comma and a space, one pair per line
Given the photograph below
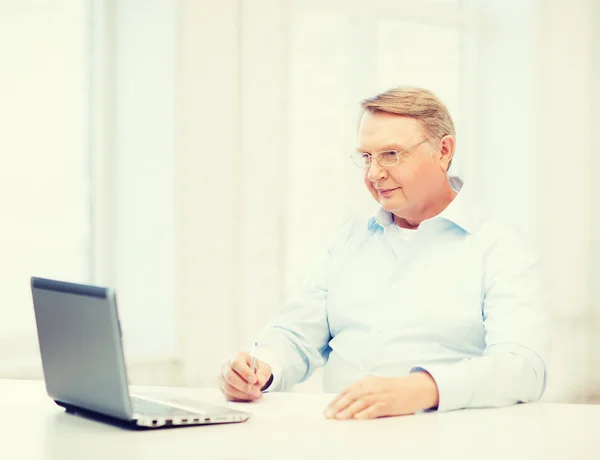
386, 191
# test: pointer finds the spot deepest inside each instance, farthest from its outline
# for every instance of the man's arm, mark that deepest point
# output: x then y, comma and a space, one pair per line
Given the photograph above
513, 366
294, 342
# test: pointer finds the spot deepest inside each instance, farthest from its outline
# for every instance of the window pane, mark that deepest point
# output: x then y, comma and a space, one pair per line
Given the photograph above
44, 185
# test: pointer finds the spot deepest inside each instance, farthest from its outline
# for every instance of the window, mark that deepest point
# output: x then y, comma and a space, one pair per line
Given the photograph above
44, 178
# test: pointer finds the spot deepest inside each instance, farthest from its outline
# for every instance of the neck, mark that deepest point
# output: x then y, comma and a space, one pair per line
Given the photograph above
436, 205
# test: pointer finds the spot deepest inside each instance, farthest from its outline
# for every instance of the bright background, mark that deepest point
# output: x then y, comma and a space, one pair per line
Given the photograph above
194, 155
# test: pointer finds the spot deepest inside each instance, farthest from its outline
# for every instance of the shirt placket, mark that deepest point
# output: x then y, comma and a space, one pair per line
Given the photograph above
404, 250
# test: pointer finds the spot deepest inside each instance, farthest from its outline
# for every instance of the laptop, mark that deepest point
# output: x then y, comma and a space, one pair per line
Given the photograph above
84, 368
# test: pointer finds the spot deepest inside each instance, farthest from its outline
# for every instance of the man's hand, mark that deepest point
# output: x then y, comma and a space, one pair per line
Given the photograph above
238, 383
375, 397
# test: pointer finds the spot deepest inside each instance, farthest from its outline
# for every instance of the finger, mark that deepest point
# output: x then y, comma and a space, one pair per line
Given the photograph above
241, 365
373, 411
338, 397
233, 394
354, 408
357, 388
233, 379
263, 372
334, 401
340, 405
230, 392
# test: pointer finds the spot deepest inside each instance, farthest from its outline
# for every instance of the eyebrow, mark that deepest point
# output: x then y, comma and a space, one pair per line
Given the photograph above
385, 148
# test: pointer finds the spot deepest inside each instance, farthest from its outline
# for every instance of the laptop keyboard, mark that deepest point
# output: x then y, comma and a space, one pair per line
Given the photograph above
145, 407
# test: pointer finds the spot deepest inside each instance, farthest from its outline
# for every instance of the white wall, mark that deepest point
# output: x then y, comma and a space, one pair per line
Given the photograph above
232, 182
594, 126
133, 131
262, 162
208, 117
507, 152
535, 145
564, 145
593, 342
565, 204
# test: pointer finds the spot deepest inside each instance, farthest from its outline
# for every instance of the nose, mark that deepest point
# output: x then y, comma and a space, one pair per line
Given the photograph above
376, 171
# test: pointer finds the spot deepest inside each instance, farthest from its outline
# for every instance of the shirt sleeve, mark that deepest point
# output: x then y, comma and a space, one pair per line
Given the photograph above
513, 366
295, 342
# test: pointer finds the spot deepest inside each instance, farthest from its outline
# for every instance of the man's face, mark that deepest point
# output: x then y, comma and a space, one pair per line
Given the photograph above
407, 188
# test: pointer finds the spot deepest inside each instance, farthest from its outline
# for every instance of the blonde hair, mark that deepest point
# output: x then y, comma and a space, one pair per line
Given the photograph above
417, 103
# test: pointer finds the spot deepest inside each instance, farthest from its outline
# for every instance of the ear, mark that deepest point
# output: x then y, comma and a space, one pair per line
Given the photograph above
446, 152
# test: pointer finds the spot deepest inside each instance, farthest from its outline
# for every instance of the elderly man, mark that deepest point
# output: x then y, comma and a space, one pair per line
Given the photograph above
429, 304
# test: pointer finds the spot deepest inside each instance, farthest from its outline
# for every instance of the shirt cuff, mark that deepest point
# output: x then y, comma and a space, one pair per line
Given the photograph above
266, 386
453, 387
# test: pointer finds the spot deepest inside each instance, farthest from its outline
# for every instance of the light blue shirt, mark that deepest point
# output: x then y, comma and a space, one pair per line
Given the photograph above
461, 297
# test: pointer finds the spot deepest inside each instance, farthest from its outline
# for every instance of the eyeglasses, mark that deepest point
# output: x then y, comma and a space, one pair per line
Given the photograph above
385, 158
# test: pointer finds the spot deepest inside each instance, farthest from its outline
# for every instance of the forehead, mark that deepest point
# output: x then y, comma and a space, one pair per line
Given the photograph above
382, 129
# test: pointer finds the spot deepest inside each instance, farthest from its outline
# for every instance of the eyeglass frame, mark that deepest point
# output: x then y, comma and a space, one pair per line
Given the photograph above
378, 155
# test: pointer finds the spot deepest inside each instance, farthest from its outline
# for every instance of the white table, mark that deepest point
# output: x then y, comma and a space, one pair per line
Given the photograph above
292, 426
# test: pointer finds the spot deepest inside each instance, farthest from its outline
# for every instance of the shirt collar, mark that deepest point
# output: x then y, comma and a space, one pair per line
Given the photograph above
461, 211
382, 218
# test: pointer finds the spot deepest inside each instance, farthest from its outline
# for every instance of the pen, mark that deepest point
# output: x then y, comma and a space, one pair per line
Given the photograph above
252, 362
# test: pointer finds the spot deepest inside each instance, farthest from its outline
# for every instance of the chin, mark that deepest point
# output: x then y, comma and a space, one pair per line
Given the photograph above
392, 206
389, 204
389, 208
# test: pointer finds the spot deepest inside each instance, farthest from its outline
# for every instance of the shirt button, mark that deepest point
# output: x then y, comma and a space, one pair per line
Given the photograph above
378, 330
